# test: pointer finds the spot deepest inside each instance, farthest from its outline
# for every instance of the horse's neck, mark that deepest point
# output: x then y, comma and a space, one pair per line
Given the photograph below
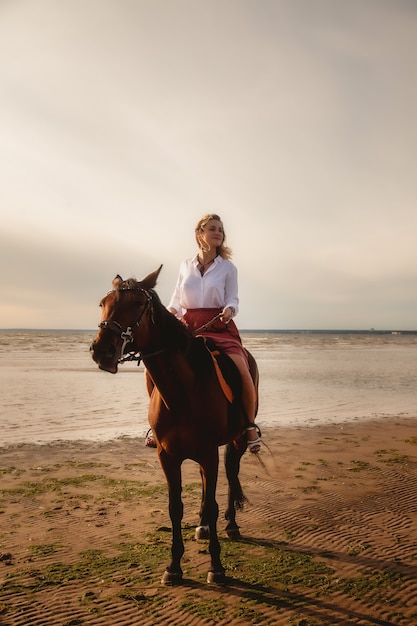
172, 375
170, 370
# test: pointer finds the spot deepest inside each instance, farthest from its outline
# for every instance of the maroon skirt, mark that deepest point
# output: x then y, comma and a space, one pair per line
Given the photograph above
225, 336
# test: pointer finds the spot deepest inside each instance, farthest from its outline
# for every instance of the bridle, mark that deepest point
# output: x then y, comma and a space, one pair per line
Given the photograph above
127, 335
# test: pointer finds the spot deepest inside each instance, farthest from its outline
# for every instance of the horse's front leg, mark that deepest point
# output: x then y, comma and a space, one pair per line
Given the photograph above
236, 498
172, 470
210, 512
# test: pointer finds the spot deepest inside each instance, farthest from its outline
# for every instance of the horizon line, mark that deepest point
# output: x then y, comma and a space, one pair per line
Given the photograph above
248, 330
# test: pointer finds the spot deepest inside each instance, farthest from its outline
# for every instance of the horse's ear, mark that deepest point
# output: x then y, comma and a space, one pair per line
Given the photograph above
150, 280
116, 281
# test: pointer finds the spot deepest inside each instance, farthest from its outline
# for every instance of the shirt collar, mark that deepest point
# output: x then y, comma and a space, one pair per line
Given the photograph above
217, 259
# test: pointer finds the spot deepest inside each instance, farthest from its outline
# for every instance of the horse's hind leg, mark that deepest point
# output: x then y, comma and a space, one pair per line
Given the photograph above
236, 497
172, 470
202, 531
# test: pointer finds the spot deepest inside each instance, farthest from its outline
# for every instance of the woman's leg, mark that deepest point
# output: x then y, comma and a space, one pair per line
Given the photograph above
248, 399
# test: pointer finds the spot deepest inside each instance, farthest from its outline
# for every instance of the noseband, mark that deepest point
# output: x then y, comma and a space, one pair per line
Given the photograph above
127, 335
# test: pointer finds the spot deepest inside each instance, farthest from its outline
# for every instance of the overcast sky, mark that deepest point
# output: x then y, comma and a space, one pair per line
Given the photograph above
123, 121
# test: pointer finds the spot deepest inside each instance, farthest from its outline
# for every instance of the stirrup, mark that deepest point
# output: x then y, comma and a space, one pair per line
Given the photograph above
255, 445
149, 439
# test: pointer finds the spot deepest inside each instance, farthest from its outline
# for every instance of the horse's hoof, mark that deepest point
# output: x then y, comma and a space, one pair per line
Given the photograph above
171, 578
234, 533
202, 532
217, 578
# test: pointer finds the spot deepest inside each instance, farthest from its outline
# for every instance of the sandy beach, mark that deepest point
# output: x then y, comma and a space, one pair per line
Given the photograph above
329, 533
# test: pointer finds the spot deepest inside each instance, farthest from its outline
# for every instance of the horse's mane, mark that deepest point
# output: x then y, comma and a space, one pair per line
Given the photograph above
173, 328
174, 333
128, 284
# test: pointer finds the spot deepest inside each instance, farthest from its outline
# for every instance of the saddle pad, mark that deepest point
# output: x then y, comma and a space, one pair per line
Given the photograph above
226, 388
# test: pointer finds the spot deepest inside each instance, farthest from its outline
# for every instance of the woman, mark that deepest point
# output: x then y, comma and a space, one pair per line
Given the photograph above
207, 286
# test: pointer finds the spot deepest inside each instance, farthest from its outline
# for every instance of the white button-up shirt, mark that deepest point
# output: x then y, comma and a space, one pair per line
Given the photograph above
217, 288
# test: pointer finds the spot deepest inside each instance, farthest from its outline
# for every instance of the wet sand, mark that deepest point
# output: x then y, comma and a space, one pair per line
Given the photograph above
329, 533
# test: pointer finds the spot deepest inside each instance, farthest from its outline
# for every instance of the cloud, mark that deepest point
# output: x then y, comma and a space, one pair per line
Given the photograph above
122, 122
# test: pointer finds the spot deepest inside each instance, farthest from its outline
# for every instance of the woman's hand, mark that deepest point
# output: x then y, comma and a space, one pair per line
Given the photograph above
227, 314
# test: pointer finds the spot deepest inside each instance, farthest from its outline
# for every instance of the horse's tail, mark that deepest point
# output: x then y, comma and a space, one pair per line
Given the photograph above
232, 458
239, 497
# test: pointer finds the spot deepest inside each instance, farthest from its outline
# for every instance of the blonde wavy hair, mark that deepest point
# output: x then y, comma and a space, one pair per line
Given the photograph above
222, 250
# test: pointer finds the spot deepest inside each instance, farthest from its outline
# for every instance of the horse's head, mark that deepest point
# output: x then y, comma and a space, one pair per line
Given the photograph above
127, 308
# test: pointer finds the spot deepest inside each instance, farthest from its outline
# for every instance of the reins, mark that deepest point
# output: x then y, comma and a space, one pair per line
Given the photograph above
138, 356
205, 326
127, 335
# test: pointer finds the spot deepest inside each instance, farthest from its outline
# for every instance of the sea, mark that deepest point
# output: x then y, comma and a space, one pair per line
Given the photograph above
51, 390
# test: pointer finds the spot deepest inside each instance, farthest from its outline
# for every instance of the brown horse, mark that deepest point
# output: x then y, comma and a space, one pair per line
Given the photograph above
188, 411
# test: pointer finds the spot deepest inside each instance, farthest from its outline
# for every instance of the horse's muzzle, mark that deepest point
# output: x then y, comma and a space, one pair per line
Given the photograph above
104, 356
